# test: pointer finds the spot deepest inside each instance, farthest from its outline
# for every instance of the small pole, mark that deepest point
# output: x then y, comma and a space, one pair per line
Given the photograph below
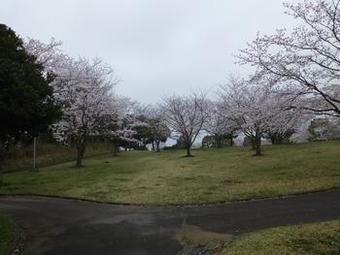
34, 152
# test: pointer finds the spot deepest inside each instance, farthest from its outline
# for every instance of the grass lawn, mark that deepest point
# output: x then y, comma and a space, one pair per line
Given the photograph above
310, 239
7, 233
169, 178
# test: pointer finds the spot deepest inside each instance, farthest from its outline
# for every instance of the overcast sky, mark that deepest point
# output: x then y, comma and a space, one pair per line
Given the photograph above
157, 47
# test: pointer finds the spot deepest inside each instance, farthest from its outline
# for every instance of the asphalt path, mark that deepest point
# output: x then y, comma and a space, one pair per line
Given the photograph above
64, 226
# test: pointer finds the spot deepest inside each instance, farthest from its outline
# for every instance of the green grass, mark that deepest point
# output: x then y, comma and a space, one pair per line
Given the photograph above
310, 239
7, 233
169, 178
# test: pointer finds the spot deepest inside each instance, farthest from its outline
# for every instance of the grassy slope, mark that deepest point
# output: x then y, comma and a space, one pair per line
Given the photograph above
48, 154
168, 178
311, 239
7, 232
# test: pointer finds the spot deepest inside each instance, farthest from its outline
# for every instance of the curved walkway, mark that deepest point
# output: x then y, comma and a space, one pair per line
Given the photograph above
58, 226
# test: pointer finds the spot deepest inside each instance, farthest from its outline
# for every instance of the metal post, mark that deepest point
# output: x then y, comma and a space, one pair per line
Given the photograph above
34, 152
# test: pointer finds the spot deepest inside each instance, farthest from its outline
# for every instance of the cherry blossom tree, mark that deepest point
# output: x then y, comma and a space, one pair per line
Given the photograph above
49, 55
84, 89
219, 125
145, 125
160, 132
122, 129
125, 118
186, 115
257, 109
305, 61
136, 119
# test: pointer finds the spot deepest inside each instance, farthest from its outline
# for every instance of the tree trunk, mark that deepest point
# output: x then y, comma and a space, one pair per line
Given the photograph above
157, 146
279, 139
144, 145
217, 142
80, 154
272, 139
1, 177
79, 159
34, 153
258, 141
188, 151
2, 159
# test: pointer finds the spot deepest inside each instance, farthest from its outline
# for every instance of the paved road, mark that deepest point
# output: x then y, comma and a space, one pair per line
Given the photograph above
57, 226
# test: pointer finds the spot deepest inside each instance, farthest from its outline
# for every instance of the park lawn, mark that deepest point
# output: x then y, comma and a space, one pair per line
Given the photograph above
310, 239
168, 178
7, 233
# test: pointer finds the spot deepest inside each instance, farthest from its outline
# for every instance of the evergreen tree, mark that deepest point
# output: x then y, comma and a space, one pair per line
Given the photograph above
27, 106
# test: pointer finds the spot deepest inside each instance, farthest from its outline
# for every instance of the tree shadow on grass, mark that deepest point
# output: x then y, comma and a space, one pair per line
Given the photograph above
188, 156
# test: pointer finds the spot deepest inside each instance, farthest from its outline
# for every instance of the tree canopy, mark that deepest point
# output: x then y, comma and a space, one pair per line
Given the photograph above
27, 105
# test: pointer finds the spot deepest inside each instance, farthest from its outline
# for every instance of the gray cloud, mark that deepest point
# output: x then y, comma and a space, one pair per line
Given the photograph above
157, 47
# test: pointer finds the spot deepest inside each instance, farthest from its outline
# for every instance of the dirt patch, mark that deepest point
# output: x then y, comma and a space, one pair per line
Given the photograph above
199, 242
